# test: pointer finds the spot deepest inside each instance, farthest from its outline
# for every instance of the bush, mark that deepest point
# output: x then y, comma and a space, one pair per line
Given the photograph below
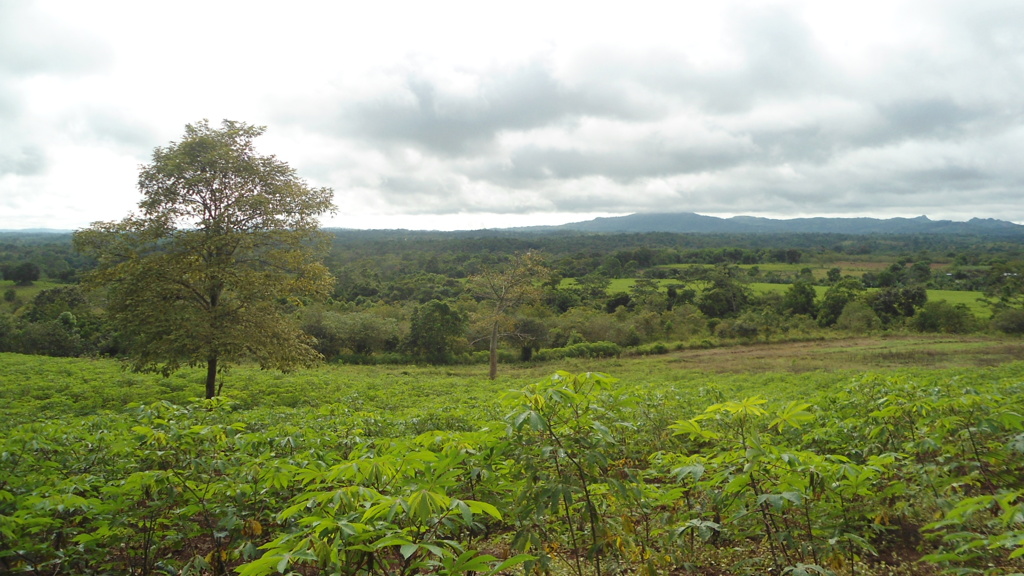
650, 349
859, 318
1009, 320
582, 350
944, 317
741, 329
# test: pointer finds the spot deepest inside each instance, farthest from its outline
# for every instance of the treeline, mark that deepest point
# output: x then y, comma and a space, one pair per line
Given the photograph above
50, 254
407, 296
394, 253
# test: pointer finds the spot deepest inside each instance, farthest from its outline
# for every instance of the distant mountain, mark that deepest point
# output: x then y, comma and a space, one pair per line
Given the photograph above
688, 222
34, 231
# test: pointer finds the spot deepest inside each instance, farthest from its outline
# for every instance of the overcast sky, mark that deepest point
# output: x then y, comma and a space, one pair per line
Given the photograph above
444, 115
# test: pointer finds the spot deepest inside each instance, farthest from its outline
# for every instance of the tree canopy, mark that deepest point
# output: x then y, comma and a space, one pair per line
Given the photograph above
224, 242
23, 274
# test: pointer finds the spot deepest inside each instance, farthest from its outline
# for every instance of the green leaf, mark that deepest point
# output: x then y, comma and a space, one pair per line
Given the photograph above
794, 415
483, 508
510, 562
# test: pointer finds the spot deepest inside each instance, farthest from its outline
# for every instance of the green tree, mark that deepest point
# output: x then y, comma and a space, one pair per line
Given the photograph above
645, 294
434, 330
225, 239
724, 296
23, 274
799, 299
894, 302
338, 329
503, 290
49, 304
836, 298
1009, 320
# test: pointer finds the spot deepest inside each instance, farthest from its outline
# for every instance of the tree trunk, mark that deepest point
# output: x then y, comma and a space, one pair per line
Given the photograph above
211, 377
494, 351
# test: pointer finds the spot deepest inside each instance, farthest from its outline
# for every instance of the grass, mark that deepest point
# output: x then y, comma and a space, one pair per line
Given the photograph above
24, 294
970, 299
36, 387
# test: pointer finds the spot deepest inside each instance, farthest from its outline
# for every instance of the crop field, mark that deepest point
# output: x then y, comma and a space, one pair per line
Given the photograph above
901, 455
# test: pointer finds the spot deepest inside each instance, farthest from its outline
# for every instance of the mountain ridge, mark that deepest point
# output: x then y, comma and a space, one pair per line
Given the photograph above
692, 223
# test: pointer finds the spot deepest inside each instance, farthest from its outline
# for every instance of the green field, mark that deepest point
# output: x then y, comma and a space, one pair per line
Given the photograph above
898, 455
23, 294
973, 300
856, 268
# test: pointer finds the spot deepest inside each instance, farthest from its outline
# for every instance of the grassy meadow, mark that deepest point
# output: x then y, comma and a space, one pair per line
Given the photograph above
23, 294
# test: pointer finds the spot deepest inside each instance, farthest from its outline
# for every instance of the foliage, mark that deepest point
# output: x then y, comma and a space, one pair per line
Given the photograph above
836, 298
859, 318
799, 299
224, 238
23, 274
339, 330
810, 473
1009, 320
581, 350
502, 290
941, 316
434, 331
723, 296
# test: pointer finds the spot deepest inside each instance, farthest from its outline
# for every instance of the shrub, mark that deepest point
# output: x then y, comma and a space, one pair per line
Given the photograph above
944, 317
859, 318
650, 349
582, 350
1009, 320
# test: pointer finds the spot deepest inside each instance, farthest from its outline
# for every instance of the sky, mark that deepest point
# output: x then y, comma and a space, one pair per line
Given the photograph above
468, 115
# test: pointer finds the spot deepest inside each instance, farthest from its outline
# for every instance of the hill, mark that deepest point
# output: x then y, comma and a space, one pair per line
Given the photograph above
688, 222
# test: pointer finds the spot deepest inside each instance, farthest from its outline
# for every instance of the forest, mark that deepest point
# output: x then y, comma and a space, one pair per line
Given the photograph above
589, 293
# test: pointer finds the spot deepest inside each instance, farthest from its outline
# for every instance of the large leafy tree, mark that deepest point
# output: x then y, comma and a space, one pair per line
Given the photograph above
225, 240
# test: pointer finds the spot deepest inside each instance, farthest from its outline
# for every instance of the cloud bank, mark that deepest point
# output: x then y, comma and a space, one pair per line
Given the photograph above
453, 115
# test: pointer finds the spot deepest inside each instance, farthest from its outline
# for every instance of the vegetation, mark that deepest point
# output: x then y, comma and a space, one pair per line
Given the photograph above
370, 471
222, 241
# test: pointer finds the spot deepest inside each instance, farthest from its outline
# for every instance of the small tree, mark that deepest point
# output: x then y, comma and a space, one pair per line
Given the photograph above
799, 299
224, 239
435, 328
723, 296
836, 298
503, 290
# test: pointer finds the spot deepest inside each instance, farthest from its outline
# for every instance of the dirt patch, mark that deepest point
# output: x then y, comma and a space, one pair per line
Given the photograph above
855, 354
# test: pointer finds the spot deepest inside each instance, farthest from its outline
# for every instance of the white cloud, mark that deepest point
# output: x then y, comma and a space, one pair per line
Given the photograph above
430, 114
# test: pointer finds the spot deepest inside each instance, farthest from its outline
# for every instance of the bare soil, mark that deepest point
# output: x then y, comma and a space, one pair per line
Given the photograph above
866, 353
